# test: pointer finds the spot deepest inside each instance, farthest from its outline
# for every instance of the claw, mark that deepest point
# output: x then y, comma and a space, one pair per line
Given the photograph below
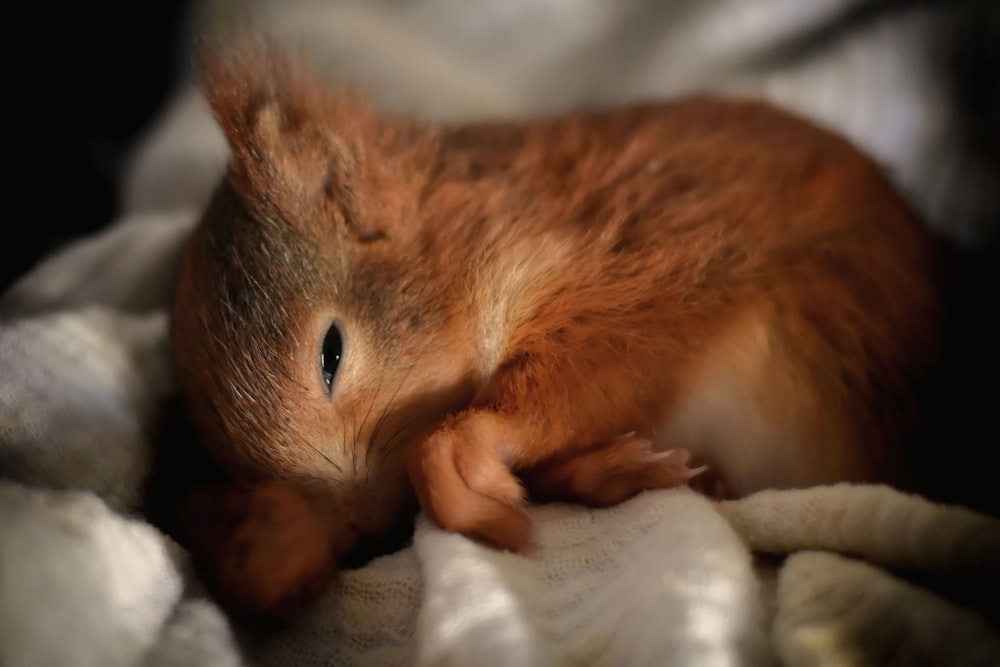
680, 465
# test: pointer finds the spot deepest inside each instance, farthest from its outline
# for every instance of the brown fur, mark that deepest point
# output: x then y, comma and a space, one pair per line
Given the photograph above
536, 309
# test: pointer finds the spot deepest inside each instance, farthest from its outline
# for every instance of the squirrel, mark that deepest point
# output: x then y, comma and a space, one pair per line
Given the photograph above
378, 315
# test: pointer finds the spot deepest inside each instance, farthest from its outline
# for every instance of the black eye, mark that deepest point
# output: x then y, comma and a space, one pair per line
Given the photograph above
329, 357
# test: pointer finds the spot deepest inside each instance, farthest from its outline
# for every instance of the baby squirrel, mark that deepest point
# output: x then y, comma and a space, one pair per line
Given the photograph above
378, 314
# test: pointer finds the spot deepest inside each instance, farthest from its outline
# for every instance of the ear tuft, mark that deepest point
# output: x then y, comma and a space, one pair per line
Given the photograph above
293, 141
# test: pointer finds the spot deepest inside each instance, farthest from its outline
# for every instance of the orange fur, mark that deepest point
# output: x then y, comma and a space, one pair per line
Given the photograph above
275, 547
536, 309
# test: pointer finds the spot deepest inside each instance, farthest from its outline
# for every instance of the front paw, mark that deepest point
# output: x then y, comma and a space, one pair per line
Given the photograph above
463, 486
262, 548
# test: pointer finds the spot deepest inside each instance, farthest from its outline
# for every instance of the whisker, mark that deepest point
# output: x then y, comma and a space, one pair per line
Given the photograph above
344, 440
371, 404
319, 479
381, 421
371, 440
392, 441
323, 454
392, 399
351, 442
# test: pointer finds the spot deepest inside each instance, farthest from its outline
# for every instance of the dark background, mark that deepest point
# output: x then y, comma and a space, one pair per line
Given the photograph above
89, 78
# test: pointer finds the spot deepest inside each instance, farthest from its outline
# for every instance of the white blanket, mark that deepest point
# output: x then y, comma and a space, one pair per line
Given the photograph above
843, 575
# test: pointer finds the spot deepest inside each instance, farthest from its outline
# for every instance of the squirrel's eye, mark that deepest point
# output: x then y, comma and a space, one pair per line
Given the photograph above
330, 355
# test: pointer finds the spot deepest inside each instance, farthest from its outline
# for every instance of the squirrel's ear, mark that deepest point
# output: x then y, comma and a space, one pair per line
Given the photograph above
296, 147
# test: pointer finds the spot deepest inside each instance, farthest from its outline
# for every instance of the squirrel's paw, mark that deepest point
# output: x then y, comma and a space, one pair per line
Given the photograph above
611, 472
464, 486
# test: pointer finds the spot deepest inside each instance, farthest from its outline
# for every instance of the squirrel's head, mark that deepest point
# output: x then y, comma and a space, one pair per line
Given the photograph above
312, 332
